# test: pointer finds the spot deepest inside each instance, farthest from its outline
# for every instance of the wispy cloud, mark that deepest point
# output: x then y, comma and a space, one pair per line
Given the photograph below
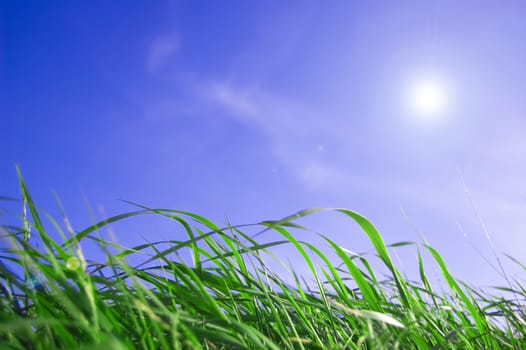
239, 102
161, 49
295, 132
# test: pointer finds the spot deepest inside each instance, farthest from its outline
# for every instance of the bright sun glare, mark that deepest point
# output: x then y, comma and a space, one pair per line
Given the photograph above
427, 98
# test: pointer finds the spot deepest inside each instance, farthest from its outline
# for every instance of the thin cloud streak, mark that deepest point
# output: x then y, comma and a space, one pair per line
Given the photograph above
161, 50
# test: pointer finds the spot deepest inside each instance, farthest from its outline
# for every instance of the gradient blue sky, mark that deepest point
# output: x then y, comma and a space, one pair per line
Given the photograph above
253, 110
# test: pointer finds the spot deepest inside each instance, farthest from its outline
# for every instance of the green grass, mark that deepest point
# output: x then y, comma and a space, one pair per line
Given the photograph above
227, 297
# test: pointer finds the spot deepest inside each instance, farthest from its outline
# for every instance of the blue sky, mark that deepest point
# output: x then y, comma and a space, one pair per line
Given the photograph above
253, 110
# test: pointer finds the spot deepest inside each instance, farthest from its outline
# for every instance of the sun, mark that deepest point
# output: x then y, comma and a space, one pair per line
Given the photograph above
427, 98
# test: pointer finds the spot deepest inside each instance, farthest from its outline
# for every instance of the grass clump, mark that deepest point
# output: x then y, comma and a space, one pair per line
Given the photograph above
227, 297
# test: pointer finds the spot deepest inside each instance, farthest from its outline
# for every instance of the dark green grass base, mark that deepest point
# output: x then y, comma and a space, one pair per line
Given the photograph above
227, 297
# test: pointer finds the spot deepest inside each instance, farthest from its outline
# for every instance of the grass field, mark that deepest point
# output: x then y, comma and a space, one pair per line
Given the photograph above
226, 296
